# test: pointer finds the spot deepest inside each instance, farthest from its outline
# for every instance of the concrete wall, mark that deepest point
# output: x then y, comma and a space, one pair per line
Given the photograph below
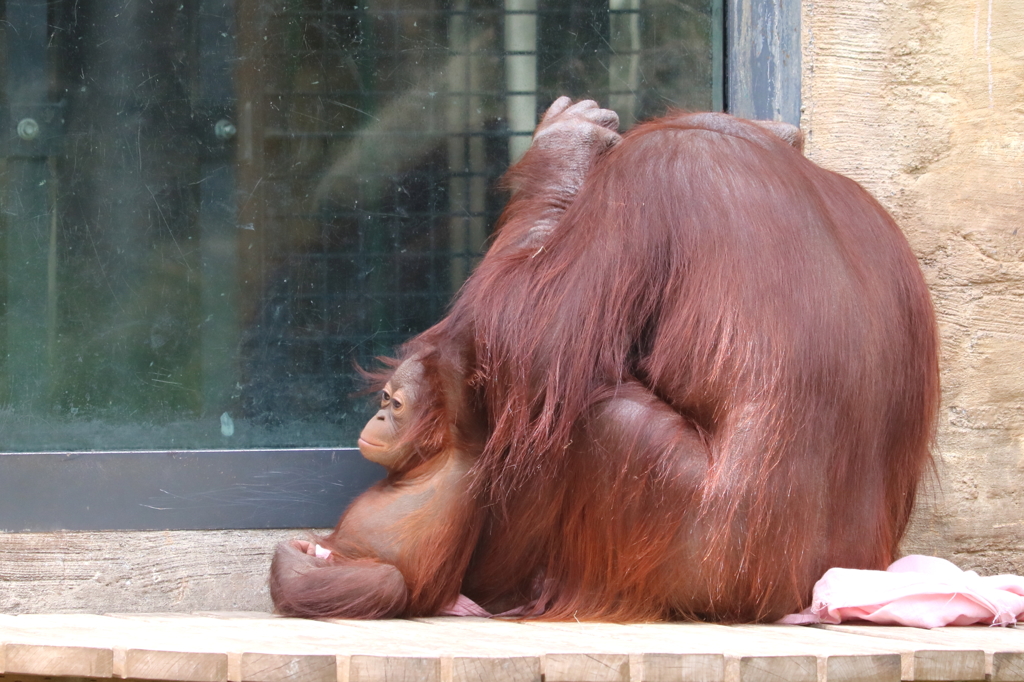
137, 571
922, 101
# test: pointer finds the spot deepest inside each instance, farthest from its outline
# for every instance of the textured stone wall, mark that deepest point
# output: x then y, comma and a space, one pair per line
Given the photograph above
137, 571
922, 101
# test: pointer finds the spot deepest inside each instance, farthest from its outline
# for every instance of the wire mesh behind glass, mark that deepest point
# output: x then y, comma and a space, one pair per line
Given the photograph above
231, 205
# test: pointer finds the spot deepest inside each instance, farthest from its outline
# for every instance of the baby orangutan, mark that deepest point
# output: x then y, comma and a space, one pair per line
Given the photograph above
383, 558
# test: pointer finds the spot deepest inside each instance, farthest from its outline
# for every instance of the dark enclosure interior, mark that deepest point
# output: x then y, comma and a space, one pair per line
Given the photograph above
212, 210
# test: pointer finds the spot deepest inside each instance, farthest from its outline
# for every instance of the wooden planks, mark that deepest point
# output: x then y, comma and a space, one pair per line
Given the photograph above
257, 647
1003, 648
924, 661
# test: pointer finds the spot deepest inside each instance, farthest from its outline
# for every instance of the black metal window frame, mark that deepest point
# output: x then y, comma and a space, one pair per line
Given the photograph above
307, 488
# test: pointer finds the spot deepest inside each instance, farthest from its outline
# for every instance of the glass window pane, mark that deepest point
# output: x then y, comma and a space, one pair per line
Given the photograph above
213, 210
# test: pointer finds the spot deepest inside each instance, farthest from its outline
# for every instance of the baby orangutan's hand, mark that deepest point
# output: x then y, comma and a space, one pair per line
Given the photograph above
312, 549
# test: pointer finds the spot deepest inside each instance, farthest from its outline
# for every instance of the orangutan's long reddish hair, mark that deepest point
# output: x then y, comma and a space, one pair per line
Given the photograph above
774, 304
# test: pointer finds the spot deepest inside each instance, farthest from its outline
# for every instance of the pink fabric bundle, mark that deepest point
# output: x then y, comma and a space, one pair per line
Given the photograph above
921, 591
464, 606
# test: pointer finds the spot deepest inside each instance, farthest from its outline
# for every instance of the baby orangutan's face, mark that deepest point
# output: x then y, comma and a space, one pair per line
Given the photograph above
380, 440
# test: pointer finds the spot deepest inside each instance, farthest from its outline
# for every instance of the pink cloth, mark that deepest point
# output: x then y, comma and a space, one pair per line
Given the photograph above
464, 606
921, 591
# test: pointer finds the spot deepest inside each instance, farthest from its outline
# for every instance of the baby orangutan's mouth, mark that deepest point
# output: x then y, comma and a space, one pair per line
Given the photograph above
363, 443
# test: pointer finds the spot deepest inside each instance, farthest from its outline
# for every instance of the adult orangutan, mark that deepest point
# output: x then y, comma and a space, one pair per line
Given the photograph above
693, 372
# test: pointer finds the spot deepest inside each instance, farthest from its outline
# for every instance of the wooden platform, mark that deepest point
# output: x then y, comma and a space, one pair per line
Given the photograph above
256, 647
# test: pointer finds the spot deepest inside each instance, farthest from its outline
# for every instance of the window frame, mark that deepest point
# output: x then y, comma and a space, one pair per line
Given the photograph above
307, 488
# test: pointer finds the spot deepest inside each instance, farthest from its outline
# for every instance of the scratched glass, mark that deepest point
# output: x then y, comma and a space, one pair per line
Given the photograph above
212, 210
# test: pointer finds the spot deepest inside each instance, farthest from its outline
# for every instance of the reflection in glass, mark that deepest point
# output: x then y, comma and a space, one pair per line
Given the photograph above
226, 204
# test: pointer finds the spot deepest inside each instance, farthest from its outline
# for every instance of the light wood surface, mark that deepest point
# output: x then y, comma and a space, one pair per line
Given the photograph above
259, 647
1004, 656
